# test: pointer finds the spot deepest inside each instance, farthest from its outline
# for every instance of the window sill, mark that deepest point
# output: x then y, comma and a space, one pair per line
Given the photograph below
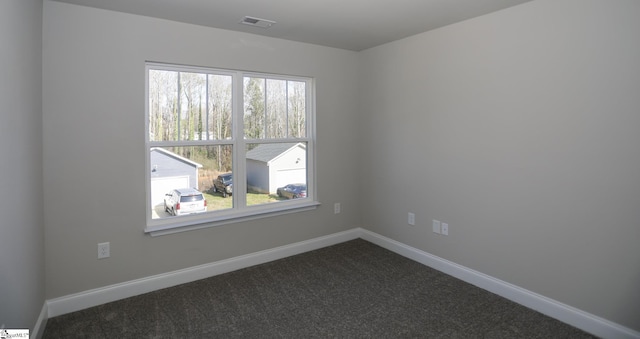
195, 222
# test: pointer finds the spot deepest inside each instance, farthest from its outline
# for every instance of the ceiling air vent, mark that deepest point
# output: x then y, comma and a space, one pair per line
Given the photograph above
257, 22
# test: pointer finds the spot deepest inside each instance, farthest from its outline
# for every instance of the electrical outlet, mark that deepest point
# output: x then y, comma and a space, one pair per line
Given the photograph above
337, 208
412, 219
436, 226
445, 228
103, 250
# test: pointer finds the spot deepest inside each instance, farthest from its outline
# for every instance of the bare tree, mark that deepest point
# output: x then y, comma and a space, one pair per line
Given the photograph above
296, 108
254, 108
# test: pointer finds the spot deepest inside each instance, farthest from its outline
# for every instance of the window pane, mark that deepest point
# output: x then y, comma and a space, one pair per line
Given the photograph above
276, 108
204, 105
296, 91
163, 105
254, 110
219, 117
195, 167
276, 172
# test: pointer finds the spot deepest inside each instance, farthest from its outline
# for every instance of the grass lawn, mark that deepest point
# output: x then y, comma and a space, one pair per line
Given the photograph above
217, 202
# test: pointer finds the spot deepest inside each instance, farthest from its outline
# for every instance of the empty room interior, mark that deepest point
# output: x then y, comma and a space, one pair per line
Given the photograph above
501, 148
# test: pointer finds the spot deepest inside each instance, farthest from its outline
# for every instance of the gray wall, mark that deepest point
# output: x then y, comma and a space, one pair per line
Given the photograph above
94, 155
22, 281
521, 129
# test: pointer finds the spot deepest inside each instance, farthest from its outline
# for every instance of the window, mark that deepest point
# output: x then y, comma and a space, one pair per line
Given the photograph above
244, 140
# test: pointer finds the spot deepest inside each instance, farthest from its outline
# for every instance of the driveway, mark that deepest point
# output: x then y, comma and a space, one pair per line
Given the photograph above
158, 212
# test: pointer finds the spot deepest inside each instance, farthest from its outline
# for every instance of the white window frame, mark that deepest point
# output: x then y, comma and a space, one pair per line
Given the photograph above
239, 212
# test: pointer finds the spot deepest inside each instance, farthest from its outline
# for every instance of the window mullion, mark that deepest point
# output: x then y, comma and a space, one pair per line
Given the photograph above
239, 148
185, 143
310, 132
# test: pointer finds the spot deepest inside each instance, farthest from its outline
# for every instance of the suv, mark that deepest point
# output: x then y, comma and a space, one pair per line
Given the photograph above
184, 201
223, 184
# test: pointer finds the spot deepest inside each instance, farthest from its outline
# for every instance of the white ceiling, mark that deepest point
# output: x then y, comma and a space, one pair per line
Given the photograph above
347, 24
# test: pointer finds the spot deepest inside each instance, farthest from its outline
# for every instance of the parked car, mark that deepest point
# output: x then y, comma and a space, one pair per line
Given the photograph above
223, 184
293, 191
184, 201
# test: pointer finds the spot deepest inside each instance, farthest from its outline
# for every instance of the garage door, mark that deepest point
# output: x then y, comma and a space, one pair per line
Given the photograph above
293, 176
161, 186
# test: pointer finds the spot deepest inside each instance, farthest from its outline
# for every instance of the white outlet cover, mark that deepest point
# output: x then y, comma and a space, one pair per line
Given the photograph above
445, 228
103, 250
411, 219
436, 226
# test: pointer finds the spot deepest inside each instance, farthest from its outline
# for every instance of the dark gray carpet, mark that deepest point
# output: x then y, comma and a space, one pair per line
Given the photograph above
354, 289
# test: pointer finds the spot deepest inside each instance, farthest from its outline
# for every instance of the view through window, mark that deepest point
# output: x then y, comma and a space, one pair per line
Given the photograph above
224, 144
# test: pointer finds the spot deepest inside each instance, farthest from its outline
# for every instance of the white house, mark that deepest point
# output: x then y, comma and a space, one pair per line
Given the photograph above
270, 166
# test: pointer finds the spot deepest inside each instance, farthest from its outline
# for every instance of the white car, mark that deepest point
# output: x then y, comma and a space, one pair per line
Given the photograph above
184, 201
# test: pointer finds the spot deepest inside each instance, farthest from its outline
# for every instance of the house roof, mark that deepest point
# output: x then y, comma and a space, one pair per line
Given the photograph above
268, 152
175, 156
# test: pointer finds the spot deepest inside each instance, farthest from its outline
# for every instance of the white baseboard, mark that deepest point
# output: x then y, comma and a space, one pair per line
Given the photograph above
570, 315
587, 322
103, 295
41, 323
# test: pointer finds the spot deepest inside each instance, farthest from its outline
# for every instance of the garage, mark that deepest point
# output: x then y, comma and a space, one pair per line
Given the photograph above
290, 176
274, 165
170, 171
